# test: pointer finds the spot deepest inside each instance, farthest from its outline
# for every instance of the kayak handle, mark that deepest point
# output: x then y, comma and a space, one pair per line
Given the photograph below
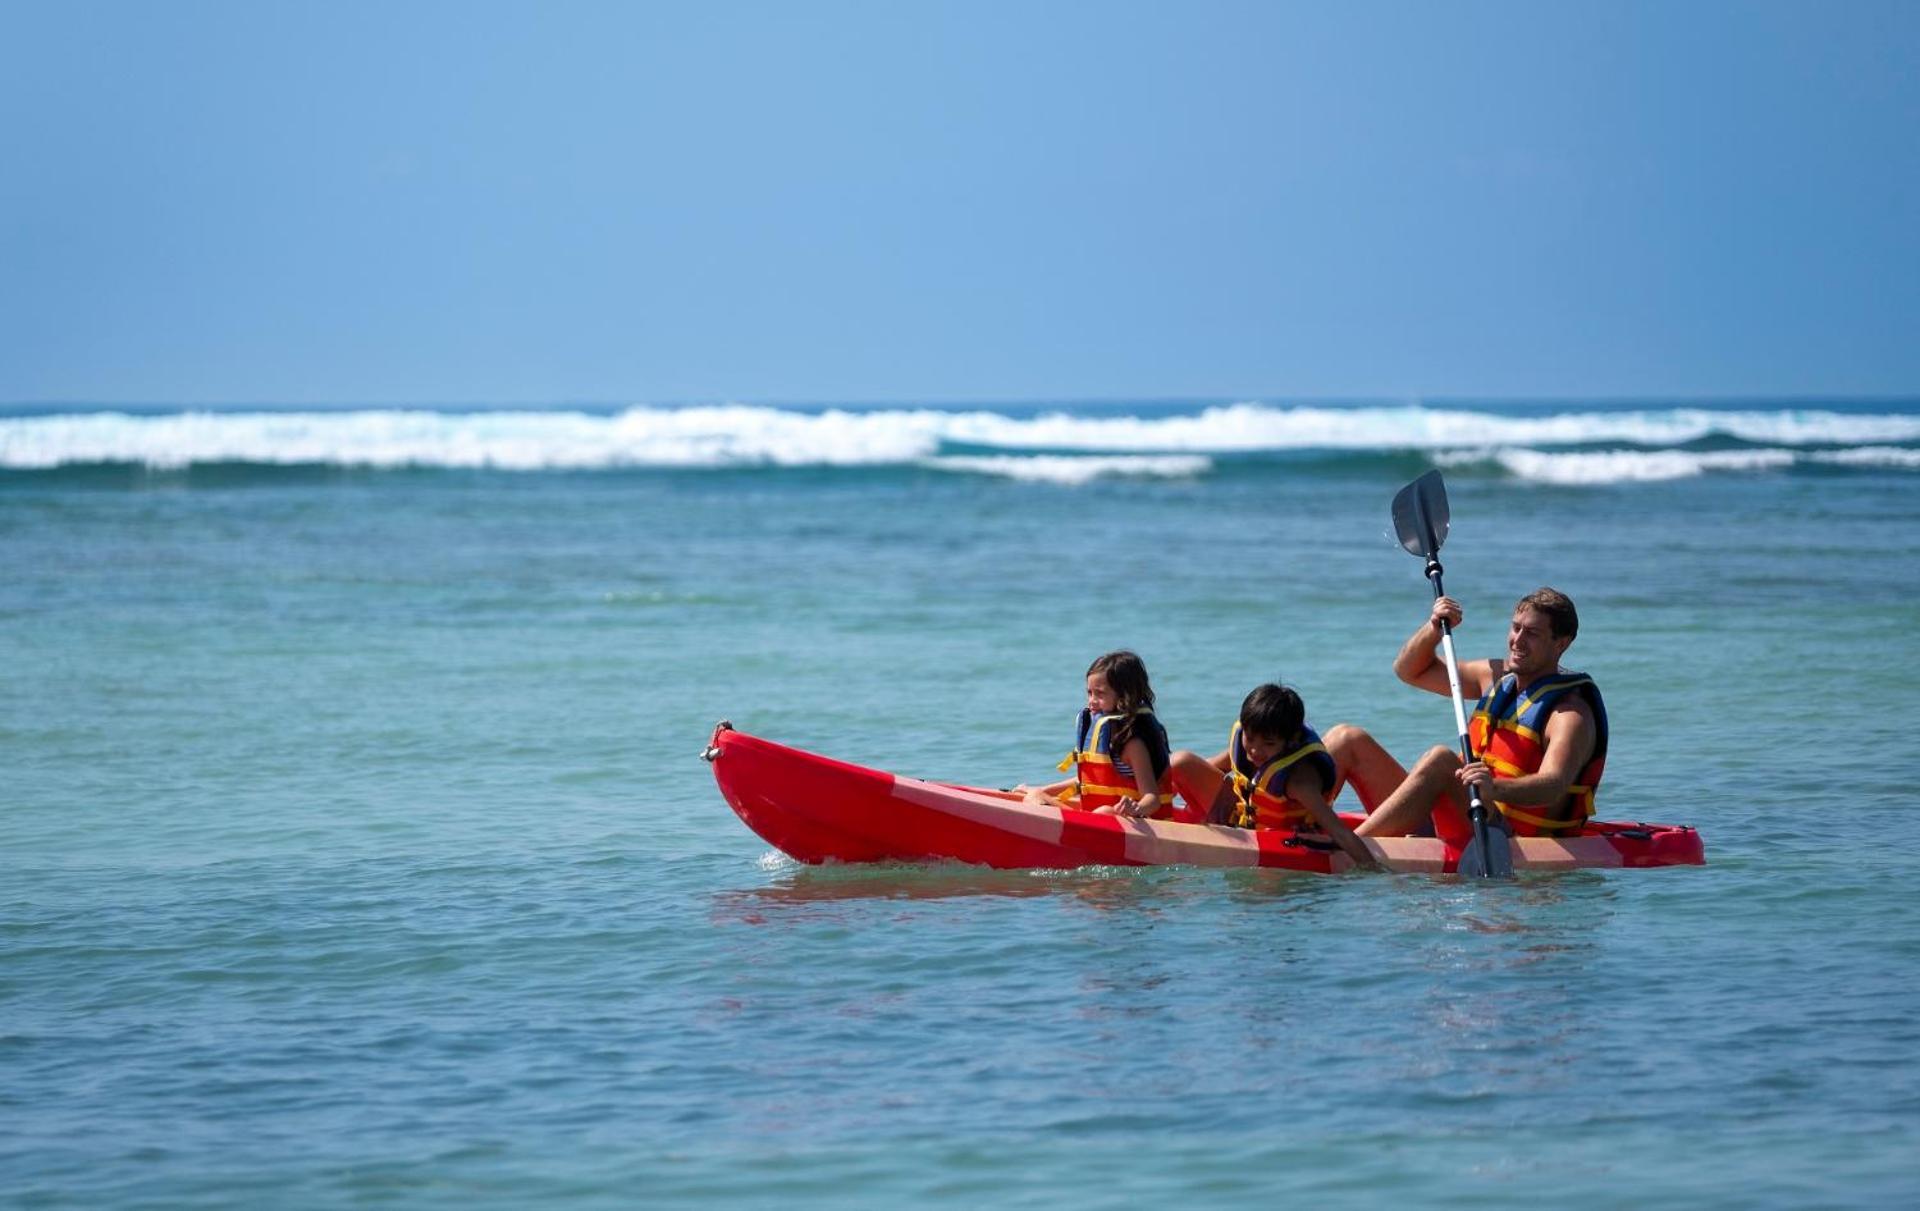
711, 753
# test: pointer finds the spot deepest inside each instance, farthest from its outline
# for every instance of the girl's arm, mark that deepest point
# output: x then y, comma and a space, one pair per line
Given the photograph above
1137, 755
1046, 796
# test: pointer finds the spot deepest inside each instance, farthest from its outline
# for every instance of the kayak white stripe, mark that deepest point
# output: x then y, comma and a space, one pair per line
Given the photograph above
1563, 853
1409, 855
1007, 815
1165, 842
1154, 842
1160, 842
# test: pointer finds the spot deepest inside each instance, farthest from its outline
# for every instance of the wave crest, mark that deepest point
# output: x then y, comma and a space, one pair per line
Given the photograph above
1074, 469
1062, 446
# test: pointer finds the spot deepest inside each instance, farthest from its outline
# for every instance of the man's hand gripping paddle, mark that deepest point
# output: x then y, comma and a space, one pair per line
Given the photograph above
1420, 519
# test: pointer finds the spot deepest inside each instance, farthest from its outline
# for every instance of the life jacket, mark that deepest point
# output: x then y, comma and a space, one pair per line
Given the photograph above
1101, 779
1508, 732
1260, 794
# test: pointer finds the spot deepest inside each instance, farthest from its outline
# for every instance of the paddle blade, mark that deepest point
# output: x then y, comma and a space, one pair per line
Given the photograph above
1420, 515
1493, 862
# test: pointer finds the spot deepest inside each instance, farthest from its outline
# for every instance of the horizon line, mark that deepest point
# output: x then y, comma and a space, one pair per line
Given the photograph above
1702, 399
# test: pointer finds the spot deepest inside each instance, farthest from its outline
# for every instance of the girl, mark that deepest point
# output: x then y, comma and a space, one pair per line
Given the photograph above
1119, 749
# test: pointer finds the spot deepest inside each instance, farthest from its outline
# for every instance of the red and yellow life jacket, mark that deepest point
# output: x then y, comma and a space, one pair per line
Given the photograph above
1508, 732
1260, 795
1101, 779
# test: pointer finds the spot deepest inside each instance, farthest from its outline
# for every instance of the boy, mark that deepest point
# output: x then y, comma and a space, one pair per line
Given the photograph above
1274, 773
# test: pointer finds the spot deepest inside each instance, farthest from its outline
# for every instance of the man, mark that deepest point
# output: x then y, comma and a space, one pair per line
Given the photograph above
1539, 734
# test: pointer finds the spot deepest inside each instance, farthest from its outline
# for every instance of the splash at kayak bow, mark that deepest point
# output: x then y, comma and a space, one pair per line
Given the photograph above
817, 809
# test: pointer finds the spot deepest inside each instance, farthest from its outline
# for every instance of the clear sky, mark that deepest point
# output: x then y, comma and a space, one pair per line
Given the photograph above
826, 201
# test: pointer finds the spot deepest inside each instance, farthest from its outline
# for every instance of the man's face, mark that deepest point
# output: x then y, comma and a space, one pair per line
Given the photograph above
1532, 649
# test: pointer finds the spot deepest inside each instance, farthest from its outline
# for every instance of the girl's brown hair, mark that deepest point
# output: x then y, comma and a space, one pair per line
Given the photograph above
1126, 674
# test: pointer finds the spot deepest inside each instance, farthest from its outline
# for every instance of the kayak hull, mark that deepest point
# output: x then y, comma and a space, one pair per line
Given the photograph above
817, 809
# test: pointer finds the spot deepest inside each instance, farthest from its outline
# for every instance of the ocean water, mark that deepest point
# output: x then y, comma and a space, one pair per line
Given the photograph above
355, 849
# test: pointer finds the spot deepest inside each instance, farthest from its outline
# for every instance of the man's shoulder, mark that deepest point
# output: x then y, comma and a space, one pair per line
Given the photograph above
1492, 668
1574, 691
1570, 706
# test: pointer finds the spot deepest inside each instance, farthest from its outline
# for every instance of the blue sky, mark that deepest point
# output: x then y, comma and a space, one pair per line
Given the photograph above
468, 202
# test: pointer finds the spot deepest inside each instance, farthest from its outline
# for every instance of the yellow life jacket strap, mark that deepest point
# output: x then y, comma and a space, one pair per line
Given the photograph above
1581, 797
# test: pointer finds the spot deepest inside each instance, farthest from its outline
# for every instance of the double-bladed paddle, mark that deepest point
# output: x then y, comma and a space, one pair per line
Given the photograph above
1420, 519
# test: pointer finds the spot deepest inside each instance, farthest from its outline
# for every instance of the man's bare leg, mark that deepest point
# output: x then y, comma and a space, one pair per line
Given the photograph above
1412, 802
1362, 763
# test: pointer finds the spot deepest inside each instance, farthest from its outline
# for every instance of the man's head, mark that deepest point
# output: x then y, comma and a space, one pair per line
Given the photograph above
1543, 628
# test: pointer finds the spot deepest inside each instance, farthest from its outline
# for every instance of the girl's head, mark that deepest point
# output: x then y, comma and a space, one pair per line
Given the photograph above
1117, 685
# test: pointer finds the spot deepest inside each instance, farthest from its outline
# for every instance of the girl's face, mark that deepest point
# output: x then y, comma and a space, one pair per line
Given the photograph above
1101, 699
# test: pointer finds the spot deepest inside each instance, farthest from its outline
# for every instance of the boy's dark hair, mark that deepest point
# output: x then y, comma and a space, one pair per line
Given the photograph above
1273, 710
1562, 619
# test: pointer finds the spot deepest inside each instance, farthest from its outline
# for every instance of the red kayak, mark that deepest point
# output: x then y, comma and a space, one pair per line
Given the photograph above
817, 809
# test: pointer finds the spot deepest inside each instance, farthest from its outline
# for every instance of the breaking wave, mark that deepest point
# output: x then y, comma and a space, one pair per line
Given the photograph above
1064, 445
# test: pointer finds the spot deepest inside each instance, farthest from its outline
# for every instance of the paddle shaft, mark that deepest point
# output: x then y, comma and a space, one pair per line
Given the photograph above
1476, 808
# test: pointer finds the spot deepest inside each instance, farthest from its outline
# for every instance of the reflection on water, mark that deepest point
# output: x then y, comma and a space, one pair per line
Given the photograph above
1105, 888
808, 884
1292, 890
1542, 903
1503, 1012
1529, 904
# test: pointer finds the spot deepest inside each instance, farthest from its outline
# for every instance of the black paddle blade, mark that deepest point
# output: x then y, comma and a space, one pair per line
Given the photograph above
1494, 862
1420, 515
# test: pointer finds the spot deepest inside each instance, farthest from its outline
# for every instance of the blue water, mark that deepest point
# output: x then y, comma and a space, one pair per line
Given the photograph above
355, 848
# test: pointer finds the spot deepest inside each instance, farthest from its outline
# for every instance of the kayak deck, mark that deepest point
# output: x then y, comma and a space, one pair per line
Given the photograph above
818, 809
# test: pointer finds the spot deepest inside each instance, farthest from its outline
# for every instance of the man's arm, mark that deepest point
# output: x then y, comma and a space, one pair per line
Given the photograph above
1569, 737
1420, 666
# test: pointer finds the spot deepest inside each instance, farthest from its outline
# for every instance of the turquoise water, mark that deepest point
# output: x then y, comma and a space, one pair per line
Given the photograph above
356, 848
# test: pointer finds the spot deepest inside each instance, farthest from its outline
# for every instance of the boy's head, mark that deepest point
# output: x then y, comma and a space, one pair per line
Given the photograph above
1271, 717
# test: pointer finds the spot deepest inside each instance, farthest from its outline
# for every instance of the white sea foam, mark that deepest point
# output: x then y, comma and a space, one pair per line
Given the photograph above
1871, 456
1255, 427
1076, 469
1627, 466
658, 437
737, 435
